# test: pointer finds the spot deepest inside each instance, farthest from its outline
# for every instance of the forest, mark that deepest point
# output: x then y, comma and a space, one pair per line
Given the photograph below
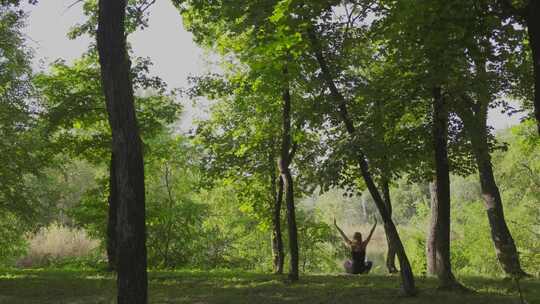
350, 151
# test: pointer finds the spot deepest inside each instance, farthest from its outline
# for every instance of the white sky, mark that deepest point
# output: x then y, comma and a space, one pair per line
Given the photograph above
165, 41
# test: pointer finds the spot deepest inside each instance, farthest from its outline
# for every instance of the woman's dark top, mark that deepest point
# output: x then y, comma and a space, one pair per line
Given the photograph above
358, 259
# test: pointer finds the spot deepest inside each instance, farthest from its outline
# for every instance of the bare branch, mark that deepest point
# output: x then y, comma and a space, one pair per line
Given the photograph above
145, 5
72, 5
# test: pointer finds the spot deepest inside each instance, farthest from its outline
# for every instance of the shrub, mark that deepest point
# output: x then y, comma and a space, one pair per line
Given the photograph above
56, 244
12, 243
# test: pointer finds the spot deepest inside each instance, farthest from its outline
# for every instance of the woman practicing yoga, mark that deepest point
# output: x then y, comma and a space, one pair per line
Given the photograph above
358, 263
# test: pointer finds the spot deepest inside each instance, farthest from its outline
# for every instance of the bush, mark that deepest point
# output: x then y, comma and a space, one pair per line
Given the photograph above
13, 244
320, 246
57, 244
414, 241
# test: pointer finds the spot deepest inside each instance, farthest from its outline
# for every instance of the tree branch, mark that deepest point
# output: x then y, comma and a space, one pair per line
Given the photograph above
533, 175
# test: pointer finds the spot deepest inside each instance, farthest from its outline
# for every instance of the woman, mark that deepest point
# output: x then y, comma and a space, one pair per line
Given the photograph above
358, 263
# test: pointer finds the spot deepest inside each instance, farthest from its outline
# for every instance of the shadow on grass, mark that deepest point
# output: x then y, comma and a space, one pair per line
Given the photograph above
60, 286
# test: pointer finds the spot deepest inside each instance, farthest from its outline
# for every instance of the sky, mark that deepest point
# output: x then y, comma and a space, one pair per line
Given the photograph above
165, 41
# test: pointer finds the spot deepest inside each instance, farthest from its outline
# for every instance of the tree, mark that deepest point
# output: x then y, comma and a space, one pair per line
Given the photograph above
176, 235
526, 13
405, 268
75, 121
240, 144
23, 151
455, 74
502, 238
277, 239
433, 57
216, 27
486, 79
440, 206
127, 151
7, 3
287, 153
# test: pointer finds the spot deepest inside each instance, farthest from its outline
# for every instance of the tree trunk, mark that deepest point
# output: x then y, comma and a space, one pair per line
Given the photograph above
291, 221
364, 207
407, 277
431, 246
277, 240
170, 221
283, 163
475, 124
533, 26
111, 219
391, 253
440, 205
502, 239
126, 145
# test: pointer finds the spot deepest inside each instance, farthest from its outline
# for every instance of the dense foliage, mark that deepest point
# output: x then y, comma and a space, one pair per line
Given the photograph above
341, 93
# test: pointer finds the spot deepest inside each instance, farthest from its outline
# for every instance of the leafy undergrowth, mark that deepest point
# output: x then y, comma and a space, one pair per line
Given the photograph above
65, 286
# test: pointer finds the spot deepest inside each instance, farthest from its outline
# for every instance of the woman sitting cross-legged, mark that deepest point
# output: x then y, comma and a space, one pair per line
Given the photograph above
358, 263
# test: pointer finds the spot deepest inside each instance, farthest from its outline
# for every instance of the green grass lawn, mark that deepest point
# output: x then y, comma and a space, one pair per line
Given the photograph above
64, 286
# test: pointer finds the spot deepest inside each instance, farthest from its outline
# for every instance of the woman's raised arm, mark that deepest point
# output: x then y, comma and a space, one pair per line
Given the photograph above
343, 235
370, 233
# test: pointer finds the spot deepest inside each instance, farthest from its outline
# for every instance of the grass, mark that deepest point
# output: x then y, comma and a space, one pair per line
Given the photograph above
76, 286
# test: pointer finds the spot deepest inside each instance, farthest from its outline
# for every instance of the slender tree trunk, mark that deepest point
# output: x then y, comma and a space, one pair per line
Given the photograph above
126, 145
502, 239
111, 218
475, 124
170, 221
379, 132
283, 163
407, 276
438, 259
291, 221
364, 207
533, 26
440, 207
431, 246
278, 257
391, 253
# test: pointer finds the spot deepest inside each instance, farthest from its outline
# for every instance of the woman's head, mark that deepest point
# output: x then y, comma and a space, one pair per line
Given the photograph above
357, 237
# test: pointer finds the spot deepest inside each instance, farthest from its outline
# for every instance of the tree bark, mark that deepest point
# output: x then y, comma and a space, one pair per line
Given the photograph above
363, 201
127, 148
391, 253
474, 117
502, 239
170, 221
278, 256
431, 247
440, 206
111, 218
532, 20
283, 164
405, 267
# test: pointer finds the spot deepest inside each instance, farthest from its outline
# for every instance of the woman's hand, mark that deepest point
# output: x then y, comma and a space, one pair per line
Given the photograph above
345, 238
371, 232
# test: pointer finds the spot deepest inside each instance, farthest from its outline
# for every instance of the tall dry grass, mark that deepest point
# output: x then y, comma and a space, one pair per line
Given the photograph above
56, 243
